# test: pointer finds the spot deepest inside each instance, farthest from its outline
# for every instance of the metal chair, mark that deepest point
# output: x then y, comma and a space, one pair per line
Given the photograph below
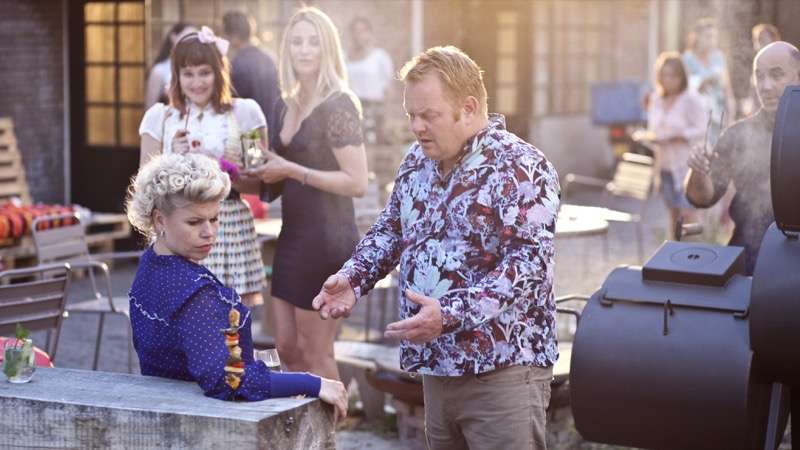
633, 179
68, 244
36, 301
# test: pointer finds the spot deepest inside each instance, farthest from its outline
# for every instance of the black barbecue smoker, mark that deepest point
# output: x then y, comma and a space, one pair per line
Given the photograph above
775, 297
686, 351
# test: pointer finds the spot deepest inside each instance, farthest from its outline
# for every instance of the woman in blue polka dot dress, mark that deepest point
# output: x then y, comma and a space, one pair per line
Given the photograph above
186, 324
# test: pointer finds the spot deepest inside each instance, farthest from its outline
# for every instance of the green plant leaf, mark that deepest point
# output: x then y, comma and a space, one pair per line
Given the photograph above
12, 359
253, 134
22, 333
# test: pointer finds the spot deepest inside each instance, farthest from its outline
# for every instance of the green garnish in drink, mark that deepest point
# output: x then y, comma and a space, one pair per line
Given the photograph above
18, 353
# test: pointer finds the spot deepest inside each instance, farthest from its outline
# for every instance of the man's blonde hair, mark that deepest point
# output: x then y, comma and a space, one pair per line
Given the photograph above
461, 77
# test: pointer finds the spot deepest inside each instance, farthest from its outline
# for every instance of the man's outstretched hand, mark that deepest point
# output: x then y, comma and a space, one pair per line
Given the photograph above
336, 298
423, 327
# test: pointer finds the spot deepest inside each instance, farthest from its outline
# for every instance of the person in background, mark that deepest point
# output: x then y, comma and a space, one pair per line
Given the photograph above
203, 117
186, 324
319, 166
160, 74
471, 224
708, 74
253, 72
370, 70
742, 155
763, 34
676, 120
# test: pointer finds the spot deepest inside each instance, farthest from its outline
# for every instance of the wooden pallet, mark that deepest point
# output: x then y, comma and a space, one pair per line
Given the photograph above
12, 172
101, 231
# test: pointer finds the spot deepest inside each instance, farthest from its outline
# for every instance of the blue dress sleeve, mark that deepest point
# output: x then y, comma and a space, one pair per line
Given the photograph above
199, 323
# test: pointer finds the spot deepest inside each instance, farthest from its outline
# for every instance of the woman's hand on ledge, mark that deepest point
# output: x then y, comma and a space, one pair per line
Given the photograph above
333, 392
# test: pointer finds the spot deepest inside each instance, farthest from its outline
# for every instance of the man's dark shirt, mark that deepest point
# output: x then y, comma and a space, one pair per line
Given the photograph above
254, 75
743, 156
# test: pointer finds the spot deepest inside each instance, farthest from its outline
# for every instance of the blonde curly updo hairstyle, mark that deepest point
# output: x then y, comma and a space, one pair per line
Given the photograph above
191, 177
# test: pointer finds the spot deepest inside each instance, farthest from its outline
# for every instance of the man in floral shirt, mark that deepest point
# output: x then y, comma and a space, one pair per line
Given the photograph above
470, 223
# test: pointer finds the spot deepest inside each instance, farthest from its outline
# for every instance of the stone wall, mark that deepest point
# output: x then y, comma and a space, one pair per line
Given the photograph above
67, 408
31, 89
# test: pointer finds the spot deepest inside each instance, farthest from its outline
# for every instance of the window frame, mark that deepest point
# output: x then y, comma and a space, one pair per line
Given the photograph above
552, 20
116, 103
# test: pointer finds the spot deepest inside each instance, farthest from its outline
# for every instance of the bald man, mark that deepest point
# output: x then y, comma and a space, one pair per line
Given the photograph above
742, 154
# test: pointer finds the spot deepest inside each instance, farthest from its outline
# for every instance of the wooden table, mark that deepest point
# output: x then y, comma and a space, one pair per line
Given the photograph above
573, 220
607, 214
579, 222
373, 356
268, 229
363, 360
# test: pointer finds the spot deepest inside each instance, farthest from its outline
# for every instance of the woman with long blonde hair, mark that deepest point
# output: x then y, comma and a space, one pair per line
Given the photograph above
318, 166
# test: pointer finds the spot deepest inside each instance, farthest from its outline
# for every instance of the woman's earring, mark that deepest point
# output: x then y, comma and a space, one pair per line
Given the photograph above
162, 234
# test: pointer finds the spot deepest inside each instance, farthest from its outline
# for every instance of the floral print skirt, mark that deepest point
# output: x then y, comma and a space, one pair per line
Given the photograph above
236, 259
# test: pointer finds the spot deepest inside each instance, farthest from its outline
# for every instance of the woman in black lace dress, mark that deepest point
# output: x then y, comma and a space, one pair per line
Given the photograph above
318, 166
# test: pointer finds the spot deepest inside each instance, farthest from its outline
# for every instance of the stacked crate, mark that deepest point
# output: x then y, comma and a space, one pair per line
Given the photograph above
12, 173
102, 228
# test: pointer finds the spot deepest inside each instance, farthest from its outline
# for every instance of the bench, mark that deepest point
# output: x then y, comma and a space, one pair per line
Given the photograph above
376, 369
67, 408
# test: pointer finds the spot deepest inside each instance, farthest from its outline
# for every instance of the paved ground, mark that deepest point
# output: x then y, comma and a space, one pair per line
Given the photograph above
581, 267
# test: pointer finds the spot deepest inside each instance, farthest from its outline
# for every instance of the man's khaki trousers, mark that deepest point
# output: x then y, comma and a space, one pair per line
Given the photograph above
499, 410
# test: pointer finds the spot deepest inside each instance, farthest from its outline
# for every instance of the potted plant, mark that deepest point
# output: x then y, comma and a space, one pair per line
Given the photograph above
18, 357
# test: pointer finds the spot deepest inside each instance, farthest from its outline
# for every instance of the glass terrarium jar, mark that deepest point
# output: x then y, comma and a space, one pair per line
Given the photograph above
252, 155
18, 360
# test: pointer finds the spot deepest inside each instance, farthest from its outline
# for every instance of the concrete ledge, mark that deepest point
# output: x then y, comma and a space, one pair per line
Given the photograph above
66, 408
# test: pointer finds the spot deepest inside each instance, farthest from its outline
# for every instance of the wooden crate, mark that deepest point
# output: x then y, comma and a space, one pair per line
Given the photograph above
102, 229
101, 232
12, 172
6, 130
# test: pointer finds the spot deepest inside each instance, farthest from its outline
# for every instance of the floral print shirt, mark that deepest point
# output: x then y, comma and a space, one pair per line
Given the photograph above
480, 240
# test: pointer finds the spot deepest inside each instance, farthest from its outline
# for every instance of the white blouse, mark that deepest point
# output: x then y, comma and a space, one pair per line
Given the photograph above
686, 118
370, 76
164, 70
208, 131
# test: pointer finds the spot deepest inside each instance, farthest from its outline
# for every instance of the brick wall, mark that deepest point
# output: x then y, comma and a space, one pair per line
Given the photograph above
31, 90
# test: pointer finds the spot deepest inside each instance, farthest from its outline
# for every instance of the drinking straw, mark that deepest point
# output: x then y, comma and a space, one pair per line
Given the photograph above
721, 119
186, 124
708, 127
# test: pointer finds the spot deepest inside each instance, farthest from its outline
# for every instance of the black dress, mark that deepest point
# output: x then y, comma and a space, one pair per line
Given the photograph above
319, 229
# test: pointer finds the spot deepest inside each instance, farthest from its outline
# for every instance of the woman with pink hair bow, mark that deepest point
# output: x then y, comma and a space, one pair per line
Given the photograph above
202, 116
